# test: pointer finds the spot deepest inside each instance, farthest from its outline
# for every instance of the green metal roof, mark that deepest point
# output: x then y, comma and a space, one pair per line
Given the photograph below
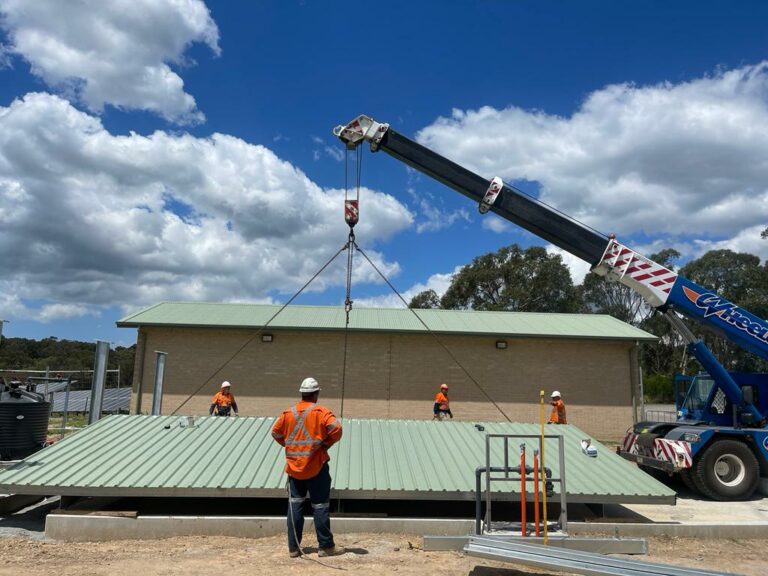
376, 459
531, 324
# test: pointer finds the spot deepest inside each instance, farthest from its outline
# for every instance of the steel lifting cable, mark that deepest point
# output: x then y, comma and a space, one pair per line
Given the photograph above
444, 347
351, 216
261, 328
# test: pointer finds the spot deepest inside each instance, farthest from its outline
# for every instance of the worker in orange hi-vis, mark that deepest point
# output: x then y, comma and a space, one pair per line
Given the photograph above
558, 410
223, 402
307, 430
442, 406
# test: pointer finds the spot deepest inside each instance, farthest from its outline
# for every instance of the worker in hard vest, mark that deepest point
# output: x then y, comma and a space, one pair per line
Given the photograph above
442, 406
558, 409
306, 431
223, 402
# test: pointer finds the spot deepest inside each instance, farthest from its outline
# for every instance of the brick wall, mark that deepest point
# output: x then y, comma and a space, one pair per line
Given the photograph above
394, 375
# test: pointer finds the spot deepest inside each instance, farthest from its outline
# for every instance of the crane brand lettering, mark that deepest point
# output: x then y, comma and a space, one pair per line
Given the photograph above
714, 305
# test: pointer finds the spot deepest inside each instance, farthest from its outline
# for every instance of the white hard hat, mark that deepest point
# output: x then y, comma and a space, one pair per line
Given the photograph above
309, 385
225, 384
555, 393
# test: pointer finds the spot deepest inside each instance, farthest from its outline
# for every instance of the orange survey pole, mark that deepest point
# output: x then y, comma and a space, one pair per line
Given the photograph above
536, 493
523, 525
543, 468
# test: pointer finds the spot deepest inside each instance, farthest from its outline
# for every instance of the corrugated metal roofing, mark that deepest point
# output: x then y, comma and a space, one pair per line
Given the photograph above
114, 400
376, 459
386, 319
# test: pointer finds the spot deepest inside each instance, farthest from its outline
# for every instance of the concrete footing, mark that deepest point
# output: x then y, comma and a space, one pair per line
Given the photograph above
83, 528
69, 527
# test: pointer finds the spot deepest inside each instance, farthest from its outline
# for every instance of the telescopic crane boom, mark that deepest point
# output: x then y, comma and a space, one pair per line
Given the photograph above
662, 288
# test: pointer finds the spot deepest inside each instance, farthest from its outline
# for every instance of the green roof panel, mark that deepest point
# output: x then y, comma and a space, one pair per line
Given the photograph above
522, 324
376, 459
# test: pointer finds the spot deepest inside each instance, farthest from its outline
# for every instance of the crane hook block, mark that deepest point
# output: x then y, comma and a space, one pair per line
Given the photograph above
491, 194
351, 212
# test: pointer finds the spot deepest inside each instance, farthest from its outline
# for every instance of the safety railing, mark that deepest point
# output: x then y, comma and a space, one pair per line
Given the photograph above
540, 476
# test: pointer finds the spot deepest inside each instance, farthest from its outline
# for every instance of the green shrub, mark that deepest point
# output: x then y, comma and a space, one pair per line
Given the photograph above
658, 389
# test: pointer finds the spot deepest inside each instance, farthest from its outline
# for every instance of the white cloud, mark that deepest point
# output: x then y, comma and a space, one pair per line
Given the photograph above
677, 161
12, 306
333, 152
747, 240
115, 52
437, 282
431, 216
89, 219
576, 266
496, 224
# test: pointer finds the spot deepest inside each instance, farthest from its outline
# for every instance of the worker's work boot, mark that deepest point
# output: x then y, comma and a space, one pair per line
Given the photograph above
335, 551
294, 553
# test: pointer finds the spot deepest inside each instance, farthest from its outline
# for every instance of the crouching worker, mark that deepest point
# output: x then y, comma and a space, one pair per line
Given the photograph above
442, 407
306, 431
223, 402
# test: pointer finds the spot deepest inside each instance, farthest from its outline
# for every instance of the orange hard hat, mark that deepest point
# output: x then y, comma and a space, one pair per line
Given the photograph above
443, 386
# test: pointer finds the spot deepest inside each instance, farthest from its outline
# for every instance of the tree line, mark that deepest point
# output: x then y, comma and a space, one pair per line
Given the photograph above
54, 354
532, 280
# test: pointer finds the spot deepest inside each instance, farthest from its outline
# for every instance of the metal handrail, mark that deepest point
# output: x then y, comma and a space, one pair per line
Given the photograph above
489, 478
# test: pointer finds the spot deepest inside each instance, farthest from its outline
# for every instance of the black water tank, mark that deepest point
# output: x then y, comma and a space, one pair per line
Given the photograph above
23, 426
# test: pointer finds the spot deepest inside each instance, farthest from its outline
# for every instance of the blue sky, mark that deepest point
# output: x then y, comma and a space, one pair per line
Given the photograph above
156, 150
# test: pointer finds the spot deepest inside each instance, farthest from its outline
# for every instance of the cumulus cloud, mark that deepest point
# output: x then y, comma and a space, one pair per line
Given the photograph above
439, 282
115, 52
431, 216
576, 266
681, 161
90, 219
496, 224
333, 152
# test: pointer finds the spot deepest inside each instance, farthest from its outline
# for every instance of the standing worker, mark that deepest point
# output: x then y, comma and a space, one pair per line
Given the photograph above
558, 410
223, 401
307, 430
442, 404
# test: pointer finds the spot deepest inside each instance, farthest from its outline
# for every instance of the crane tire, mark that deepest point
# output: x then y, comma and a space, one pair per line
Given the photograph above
727, 470
687, 478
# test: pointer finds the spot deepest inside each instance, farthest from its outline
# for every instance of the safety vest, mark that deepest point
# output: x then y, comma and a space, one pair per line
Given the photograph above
223, 400
558, 413
306, 431
442, 401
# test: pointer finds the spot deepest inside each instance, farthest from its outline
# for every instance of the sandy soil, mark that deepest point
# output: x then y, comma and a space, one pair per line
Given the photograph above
369, 554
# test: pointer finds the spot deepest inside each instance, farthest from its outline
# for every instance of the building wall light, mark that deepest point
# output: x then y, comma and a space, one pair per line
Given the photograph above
266, 337
501, 344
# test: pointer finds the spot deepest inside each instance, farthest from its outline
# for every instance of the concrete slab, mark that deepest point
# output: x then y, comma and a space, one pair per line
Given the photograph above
672, 530
693, 509
78, 528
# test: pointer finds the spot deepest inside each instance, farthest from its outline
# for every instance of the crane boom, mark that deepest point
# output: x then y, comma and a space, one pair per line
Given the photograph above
661, 287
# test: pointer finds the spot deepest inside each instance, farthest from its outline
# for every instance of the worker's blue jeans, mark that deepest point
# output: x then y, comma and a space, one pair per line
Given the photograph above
319, 488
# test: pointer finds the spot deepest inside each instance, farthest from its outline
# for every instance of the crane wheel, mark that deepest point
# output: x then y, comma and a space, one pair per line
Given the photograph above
728, 470
687, 477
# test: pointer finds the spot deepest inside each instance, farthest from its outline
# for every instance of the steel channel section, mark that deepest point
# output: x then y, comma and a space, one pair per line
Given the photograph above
506, 478
99, 380
588, 563
511, 205
596, 544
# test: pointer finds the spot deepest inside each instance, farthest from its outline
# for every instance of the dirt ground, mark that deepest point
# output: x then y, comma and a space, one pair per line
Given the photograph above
368, 554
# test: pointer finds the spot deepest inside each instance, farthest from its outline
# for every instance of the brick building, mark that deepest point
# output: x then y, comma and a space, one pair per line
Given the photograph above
394, 365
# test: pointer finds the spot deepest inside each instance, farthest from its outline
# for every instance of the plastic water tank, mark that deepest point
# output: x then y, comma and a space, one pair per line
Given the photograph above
23, 426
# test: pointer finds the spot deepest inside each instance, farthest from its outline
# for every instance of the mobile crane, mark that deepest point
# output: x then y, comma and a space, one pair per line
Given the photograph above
719, 443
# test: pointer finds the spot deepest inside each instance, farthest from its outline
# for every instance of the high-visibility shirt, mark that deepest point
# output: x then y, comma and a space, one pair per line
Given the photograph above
306, 430
442, 401
224, 400
558, 413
